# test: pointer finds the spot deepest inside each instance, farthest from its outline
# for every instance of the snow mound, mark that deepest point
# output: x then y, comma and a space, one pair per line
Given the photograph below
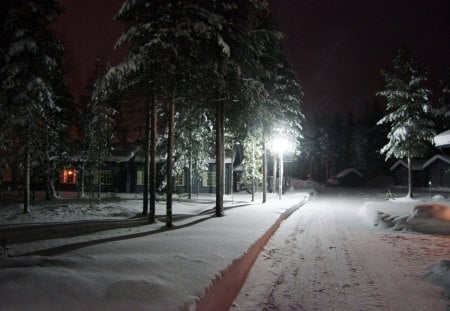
409, 215
438, 211
440, 275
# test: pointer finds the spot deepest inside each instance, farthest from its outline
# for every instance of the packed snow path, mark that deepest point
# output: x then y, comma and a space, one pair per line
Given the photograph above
325, 257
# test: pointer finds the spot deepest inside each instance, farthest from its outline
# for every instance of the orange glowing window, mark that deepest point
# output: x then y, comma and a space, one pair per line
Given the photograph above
69, 176
6, 175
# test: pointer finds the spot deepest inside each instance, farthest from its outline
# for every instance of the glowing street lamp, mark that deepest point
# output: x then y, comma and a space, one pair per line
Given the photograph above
280, 145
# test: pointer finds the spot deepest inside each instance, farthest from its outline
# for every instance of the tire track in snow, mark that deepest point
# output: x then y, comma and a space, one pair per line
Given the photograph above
324, 258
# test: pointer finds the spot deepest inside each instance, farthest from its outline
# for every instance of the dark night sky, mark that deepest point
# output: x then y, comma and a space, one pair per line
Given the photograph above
337, 47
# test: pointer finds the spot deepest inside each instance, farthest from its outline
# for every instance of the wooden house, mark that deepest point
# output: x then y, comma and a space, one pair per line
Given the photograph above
435, 170
400, 172
350, 177
123, 171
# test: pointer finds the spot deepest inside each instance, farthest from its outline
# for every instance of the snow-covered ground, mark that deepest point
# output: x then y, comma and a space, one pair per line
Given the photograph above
148, 267
137, 268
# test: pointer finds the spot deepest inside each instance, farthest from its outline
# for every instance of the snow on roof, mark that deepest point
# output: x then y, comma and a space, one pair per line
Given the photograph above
417, 165
349, 171
122, 153
436, 157
442, 139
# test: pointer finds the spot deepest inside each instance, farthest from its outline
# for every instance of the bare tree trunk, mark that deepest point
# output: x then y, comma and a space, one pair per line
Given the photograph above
26, 186
146, 158
253, 171
410, 192
264, 181
153, 133
219, 156
170, 143
190, 176
83, 173
274, 180
99, 183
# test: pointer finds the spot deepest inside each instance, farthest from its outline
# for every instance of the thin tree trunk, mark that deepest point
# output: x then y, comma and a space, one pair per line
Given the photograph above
264, 181
153, 133
410, 192
99, 183
274, 180
170, 143
190, 176
47, 185
253, 171
26, 192
146, 157
83, 173
219, 157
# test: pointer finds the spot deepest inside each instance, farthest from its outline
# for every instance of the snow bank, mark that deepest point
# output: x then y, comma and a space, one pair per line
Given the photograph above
423, 214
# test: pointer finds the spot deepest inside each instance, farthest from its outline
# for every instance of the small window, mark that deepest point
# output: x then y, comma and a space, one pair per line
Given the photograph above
69, 176
140, 178
209, 179
6, 175
180, 179
106, 177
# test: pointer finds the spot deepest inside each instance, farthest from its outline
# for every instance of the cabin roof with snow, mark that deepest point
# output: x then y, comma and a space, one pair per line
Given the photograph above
120, 152
349, 171
442, 139
441, 157
417, 165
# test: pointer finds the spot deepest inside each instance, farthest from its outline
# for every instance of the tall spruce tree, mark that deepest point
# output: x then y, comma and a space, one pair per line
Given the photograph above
32, 62
408, 111
166, 57
443, 110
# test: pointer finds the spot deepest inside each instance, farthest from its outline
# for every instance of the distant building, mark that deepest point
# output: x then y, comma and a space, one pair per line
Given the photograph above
435, 170
350, 177
123, 171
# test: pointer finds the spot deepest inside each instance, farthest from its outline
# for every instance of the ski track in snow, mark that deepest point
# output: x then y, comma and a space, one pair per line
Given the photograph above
324, 258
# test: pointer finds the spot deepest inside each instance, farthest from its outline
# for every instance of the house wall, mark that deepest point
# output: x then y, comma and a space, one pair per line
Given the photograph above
439, 173
125, 179
401, 177
350, 180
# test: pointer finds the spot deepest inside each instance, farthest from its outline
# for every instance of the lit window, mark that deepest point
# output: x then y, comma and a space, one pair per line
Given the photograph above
180, 179
69, 176
209, 179
140, 178
6, 175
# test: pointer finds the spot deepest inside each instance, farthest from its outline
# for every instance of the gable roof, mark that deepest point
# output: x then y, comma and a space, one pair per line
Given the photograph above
349, 171
417, 165
122, 152
441, 157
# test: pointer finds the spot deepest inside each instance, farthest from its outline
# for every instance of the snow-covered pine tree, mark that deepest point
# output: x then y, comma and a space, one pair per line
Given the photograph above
245, 39
98, 128
166, 58
409, 113
32, 61
194, 139
252, 163
443, 111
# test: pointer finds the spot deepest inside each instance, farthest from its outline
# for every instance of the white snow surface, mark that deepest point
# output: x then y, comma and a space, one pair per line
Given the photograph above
150, 268
161, 270
324, 257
